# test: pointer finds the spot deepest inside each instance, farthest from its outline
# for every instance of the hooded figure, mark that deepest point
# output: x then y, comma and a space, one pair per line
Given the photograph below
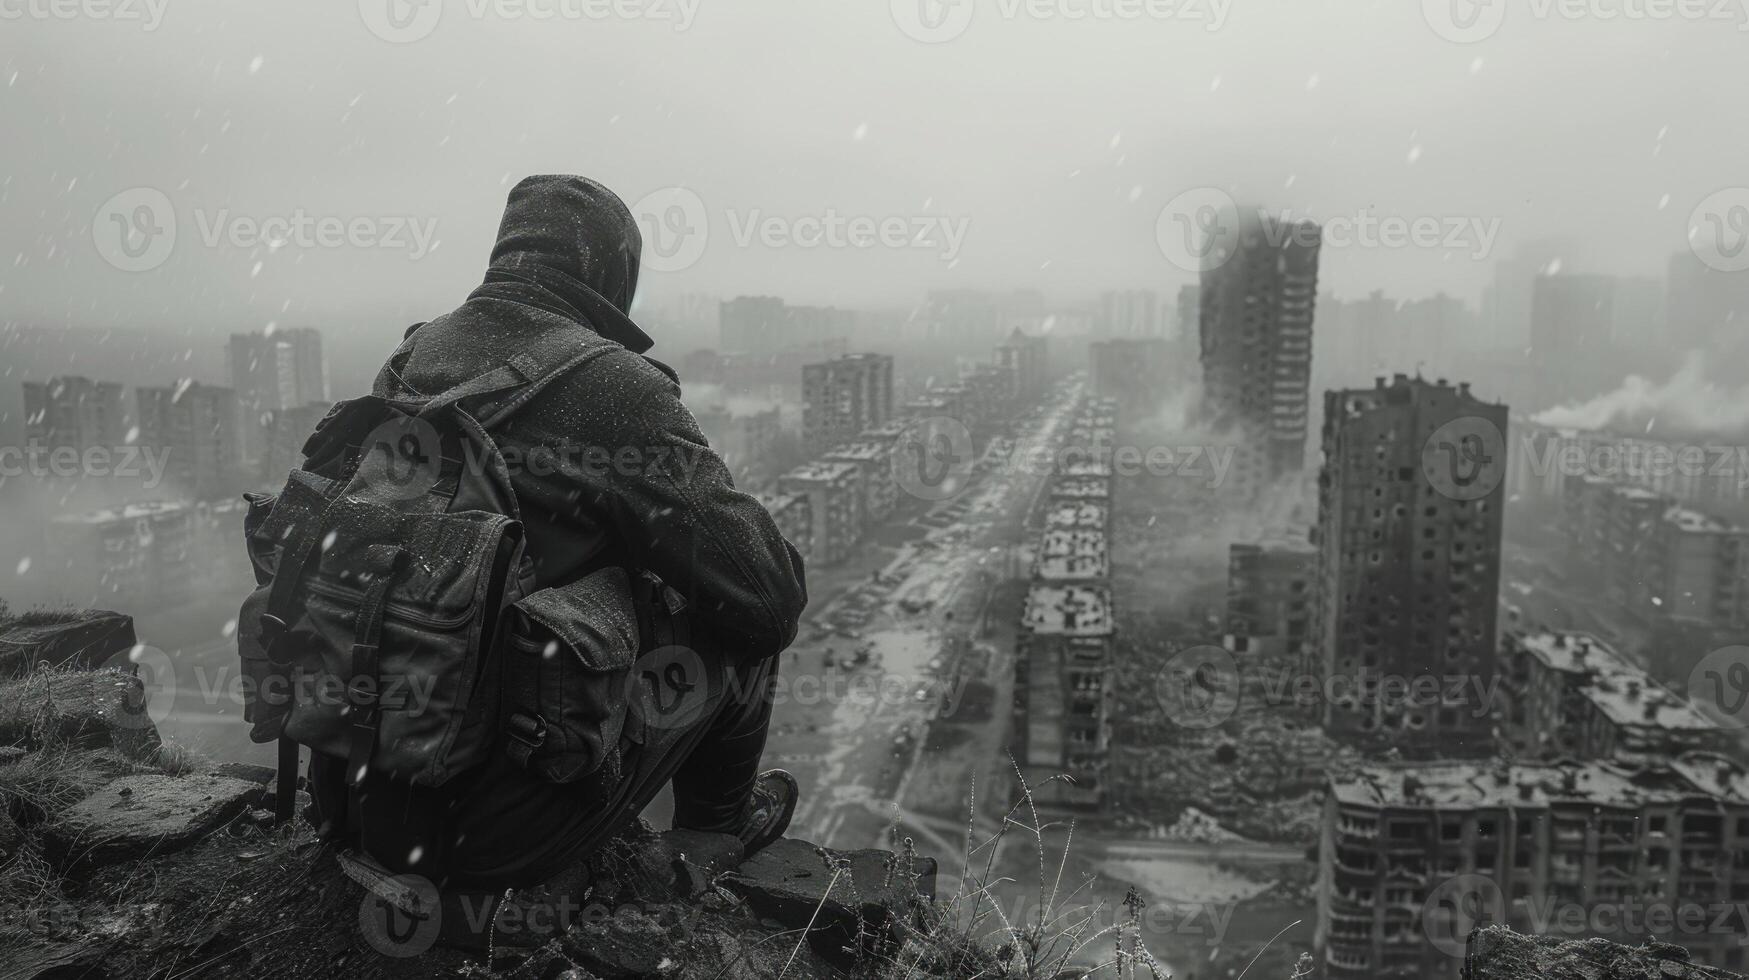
637, 488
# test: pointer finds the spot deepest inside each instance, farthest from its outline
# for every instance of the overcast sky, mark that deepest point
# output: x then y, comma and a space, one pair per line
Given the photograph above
1037, 149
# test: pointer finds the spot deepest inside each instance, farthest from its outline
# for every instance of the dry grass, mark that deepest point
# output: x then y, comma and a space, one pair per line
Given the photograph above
968, 936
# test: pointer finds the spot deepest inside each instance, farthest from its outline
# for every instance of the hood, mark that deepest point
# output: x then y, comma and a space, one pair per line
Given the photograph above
570, 246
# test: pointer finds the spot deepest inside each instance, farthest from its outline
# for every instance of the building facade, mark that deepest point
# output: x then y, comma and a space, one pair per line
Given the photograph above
74, 413
195, 425
844, 396
272, 371
1408, 571
1412, 856
834, 495
874, 461
1256, 322
1571, 696
1271, 592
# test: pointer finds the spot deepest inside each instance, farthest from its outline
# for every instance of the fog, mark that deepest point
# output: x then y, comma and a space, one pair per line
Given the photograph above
1052, 143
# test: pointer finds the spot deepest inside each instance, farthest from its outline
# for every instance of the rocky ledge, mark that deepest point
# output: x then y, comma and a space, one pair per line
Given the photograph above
121, 858
1497, 953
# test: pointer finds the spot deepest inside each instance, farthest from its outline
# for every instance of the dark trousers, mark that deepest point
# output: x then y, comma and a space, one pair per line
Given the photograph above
503, 828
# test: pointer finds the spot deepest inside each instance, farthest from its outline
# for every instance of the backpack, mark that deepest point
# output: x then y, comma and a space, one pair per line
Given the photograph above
393, 624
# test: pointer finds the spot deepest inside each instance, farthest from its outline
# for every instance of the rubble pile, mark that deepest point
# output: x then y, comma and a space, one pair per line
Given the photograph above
1260, 773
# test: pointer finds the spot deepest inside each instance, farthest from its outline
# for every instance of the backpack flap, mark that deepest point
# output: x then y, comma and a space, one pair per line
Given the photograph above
567, 667
386, 657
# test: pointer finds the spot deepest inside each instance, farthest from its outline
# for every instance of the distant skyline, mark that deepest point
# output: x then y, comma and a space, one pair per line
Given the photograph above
1027, 152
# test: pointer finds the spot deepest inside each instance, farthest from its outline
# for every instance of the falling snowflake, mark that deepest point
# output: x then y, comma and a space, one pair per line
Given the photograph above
24, 565
861, 131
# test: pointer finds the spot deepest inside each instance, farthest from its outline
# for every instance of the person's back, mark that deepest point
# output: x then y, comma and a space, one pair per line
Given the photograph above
610, 472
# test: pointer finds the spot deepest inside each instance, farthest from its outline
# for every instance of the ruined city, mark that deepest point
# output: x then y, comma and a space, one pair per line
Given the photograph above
1176, 549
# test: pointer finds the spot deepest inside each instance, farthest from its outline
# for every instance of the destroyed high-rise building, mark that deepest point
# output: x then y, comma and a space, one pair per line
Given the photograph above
1258, 305
1410, 506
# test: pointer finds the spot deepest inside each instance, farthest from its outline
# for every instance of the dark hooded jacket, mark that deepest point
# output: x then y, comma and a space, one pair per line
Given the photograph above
652, 494
567, 259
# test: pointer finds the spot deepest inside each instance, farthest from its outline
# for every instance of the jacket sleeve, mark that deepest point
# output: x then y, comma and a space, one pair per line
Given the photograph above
670, 501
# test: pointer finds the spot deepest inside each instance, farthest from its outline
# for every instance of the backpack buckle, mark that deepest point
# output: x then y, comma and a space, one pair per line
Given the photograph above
530, 730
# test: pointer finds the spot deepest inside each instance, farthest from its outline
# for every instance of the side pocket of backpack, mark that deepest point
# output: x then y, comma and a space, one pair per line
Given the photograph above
260, 680
566, 664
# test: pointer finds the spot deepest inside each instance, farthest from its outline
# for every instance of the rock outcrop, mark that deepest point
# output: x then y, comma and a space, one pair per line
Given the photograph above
1497, 953
78, 640
119, 859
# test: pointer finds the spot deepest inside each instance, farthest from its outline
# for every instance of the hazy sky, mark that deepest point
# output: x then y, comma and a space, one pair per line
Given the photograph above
1051, 143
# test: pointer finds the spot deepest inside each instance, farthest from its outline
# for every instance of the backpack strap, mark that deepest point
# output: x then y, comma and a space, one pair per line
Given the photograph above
364, 687
517, 381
